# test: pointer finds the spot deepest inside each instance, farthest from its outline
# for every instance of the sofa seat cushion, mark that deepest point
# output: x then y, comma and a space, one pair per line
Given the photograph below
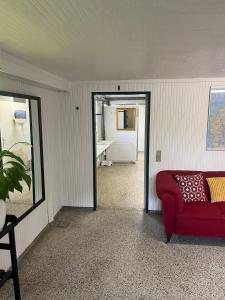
200, 219
201, 211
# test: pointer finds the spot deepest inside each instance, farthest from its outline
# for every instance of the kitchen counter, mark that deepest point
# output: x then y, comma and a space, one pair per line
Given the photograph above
101, 147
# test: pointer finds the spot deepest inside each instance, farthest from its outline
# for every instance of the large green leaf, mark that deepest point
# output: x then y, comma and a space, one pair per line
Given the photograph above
10, 184
15, 177
12, 173
20, 174
27, 179
7, 153
4, 190
15, 164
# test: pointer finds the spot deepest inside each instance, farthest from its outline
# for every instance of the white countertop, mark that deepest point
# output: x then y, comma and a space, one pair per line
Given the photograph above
101, 146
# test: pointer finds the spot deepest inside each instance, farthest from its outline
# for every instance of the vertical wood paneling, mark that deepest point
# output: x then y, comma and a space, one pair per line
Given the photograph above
179, 111
52, 106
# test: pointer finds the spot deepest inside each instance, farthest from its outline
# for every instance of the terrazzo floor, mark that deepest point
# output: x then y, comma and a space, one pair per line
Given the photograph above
121, 185
118, 254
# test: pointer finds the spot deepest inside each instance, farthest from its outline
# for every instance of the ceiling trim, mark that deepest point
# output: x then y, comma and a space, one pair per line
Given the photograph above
152, 81
18, 68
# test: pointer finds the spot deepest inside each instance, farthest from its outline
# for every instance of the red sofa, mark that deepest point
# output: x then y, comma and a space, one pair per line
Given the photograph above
193, 219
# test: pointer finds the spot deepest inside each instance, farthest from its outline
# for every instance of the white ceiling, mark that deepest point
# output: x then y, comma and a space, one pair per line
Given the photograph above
117, 39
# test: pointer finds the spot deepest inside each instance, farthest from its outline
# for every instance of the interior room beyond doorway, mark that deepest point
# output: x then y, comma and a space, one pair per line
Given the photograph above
120, 150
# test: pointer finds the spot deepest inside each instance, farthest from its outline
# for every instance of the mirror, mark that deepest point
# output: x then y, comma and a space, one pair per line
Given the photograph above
125, 118
20, 122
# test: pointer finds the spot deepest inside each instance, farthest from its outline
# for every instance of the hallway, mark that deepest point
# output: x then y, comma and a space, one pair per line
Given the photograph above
121, 185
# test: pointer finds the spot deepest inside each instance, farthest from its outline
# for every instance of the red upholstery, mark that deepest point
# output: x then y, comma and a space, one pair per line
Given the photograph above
197, 218
167, 184
220, 206
200, 211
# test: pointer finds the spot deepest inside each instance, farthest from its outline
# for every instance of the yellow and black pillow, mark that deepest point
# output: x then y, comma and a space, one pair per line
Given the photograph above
217, 188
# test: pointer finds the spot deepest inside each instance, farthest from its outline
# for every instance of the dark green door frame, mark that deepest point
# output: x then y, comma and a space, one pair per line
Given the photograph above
147, 142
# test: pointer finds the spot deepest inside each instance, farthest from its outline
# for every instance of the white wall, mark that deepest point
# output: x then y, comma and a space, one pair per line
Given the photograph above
141, 127
179, 112
98, 111
52, 123
124, 146
11, 131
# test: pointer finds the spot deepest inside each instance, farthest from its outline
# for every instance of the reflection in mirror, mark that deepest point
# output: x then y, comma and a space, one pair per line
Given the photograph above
125, 118
19, 123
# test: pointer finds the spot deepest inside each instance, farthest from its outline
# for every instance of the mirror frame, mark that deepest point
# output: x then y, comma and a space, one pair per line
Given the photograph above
38, 99
134, 118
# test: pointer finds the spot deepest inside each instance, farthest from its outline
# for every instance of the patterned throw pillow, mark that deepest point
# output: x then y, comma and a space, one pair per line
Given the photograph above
192, 187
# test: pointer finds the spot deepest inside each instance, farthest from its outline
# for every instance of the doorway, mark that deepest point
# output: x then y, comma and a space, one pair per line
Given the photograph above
125, 108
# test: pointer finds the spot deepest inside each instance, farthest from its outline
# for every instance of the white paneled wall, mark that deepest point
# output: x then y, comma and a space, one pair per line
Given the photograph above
179, 110
51, 102
141, 127
124, 142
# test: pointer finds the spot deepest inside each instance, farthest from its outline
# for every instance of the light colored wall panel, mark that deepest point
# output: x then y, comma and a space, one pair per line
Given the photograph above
141, 127
122, 152
124, 142
26, 231
179, 110
52, 107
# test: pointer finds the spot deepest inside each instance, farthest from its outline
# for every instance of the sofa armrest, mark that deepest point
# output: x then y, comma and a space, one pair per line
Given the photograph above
168, 213
166, 184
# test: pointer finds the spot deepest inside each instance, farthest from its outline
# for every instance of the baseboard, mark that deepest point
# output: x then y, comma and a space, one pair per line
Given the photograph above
123, 162
19, 258
77, 207
154, 212
58, 212
150, 212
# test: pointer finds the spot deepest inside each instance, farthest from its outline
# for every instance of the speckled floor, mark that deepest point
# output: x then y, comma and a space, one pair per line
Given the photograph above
121, 185
118, 254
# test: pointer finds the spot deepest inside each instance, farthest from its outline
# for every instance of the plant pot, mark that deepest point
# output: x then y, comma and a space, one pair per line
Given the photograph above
2, 214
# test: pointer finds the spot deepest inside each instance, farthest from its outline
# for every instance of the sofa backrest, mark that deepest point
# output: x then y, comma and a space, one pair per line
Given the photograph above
206, 174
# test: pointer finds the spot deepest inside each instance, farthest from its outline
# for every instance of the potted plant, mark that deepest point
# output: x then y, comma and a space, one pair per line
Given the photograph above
12, 172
